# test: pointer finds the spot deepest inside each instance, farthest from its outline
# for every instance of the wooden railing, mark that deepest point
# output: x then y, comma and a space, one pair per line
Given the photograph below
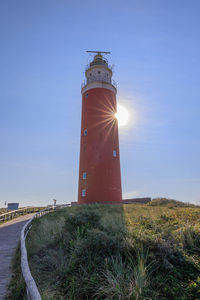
31, 287
18, 212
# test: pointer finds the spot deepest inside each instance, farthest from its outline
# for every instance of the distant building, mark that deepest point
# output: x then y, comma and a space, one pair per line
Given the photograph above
137, 200
13, 206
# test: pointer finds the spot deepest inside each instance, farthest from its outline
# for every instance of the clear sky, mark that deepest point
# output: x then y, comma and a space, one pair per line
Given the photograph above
155, 48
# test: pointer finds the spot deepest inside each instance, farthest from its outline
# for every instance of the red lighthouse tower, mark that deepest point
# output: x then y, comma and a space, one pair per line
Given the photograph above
99, 169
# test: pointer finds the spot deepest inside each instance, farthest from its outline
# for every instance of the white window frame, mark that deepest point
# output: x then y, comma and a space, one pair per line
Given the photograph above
83, 192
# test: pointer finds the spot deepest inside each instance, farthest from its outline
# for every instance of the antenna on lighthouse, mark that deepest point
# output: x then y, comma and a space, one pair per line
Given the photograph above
99, 52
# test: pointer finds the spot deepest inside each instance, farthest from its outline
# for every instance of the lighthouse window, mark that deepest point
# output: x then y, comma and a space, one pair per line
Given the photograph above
114, 153
84, 175
83, 193
86, 95
85, 132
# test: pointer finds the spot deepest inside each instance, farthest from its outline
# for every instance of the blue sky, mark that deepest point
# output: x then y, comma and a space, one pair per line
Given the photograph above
155, 49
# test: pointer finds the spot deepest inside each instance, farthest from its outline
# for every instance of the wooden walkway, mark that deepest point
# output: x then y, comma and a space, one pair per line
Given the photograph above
9, 238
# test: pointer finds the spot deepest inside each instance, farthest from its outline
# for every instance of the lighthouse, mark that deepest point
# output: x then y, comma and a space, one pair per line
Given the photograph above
99, 165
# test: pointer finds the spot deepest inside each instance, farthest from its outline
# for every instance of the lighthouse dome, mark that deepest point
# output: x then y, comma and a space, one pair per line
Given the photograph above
98, 60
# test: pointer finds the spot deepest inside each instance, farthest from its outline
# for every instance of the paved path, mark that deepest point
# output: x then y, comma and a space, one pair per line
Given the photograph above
9, 237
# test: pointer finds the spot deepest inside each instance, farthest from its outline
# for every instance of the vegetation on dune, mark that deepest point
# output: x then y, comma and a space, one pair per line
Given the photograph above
117, 252
172, 237
169, 203
3, 210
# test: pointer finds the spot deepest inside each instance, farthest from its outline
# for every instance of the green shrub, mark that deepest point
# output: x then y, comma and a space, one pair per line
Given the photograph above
82, 221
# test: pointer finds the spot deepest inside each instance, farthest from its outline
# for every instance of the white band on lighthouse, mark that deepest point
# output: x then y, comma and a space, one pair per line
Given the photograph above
98, 84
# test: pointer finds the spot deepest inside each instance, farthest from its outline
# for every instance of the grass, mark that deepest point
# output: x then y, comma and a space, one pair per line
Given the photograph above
117, 252
3, 211
173, 239
169, 203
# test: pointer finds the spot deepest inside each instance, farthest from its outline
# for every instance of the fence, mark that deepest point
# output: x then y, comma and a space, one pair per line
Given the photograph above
31, 287
18, 212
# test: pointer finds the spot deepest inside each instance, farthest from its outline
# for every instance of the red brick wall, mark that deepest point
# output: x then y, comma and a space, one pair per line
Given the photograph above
103, 178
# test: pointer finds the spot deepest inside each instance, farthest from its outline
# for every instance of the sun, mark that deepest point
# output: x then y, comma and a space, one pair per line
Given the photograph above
122, 115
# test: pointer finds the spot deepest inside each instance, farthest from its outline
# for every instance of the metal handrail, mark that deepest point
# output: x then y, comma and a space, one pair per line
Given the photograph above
113, 82
31, 287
